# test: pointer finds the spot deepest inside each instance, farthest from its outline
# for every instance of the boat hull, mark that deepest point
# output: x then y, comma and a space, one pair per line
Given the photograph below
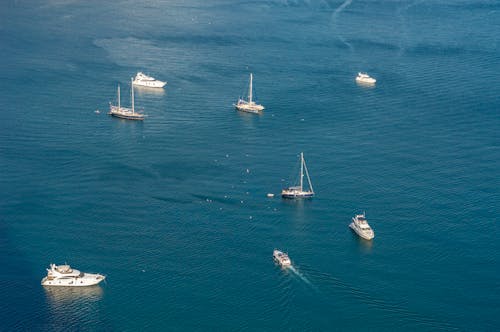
366, 80
282, 259
87, 279
127, 117
250, 109
150, 84
364, 235
296, 194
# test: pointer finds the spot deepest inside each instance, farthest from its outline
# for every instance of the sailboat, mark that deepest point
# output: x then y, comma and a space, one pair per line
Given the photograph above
123, 112
249, 105
298, 191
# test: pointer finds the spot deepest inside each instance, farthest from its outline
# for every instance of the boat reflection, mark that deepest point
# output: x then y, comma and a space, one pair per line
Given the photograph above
364, 246
61, 295
144, 90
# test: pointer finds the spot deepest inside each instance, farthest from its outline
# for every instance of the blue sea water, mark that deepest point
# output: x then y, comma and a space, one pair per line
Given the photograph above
174, 210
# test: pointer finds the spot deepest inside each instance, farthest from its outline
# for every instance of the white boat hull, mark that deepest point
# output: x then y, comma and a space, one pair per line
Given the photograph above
125, 113
150, 84
365, 235
88, 279
281, 258
296, 194
251, 108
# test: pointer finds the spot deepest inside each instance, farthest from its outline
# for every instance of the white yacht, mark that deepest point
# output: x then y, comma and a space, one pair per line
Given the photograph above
142, 79
249, 105
365, 78
298, 191
64, 275
124, 112
361, 227
281, 258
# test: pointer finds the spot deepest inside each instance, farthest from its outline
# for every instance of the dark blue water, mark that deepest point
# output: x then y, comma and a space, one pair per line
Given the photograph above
174, 210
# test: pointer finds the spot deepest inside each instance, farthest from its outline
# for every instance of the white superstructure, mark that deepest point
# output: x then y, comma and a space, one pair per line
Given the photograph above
365, 78
249, 105
64, 275
361, 227
281, 258
142, 79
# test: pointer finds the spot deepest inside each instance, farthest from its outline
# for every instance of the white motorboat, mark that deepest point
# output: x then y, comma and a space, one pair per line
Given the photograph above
298, 191
142, 79
365, 78
281, 258
249, 105
361, 227
64, 275
124, 112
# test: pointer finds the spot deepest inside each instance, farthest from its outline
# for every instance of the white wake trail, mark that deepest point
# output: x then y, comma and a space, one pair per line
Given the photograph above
340, 8
300, 275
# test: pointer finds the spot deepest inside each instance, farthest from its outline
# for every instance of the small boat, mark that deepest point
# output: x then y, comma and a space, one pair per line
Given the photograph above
123, 112
298, 191
281, 258
249, 105
270, 195
365, 78
64, 275
142, 79
361, 227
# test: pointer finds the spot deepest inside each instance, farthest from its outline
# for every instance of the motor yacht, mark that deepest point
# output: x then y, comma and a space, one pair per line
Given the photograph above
142, 79
361, 227
365, 78
281, 258
64, 275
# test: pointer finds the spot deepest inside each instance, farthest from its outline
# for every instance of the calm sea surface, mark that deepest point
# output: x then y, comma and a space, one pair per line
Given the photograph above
174, 210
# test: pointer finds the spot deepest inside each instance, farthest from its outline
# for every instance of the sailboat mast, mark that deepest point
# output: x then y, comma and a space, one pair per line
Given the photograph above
308, 178
301, 169
132, 91
250, 89
118, 96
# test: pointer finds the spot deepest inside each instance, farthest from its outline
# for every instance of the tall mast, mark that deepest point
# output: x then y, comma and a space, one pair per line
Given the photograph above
308, 178
132, 91
118, 96
250, 89
301, 169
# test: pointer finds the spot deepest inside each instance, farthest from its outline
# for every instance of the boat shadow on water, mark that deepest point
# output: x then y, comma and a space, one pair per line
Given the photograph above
364, 246
61, 295
145, 90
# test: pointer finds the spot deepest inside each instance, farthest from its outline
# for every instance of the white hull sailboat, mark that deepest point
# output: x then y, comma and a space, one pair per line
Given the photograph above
298, 191
249, 105
124, 112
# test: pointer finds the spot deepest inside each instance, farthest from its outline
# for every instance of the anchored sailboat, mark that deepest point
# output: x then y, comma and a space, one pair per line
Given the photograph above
123, 112
298, 191
249, 105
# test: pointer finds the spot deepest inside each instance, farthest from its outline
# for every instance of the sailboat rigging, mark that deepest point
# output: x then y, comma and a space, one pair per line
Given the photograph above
124, 112
298, 191
249, 105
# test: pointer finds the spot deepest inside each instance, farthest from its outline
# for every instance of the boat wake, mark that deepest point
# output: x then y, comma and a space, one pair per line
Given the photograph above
301, 276
341, 8
336, 12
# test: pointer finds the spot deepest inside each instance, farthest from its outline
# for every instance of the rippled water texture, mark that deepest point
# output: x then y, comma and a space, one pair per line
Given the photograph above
173, 210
